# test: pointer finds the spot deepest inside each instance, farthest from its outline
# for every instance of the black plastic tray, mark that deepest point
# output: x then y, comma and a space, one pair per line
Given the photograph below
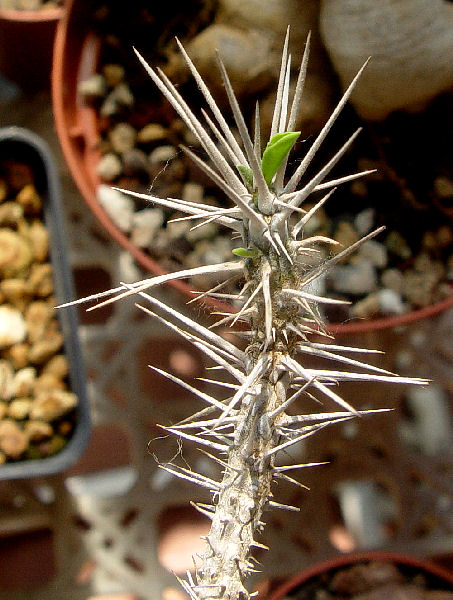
25, 146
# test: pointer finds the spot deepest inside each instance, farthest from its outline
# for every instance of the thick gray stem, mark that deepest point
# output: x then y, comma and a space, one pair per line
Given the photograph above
245, 490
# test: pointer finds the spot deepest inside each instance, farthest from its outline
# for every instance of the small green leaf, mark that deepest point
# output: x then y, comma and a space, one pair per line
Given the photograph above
246, 252
247, 176
276, 151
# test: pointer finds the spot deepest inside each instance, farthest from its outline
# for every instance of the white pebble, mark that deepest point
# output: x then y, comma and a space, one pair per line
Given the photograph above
109, 167
391, 303
12, 326
357, 279
120, 208
375, 252
364, 221
145, 224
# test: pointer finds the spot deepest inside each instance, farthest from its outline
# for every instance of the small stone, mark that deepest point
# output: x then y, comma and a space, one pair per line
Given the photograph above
117, 102
118, 206
19, 409
50, 344
390, 302
13, 441
205, 232
37, 317
135, 163
57, 366
15, 292
364, 221
18, 355
153, 132
122, 137
113, 73
6, 380
11, 213
29, 199
346, 235
40, 280
23, 382
443, 187
397, 245
162, 154
366, 307
145, 224
39, 239
109, 167
357, 279
375, 252
192, 192
49, 406
393, 279
15, 253
38, 430
47, 383
93, 88
418, 287
177, 229
12, 326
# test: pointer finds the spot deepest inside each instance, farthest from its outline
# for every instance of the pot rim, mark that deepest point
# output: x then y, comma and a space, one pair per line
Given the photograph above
357, 557
33, 16
78, 138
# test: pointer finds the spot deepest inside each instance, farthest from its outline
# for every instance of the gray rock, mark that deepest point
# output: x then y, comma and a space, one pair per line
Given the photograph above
397, 245
153, 132
390, 302
114, 74
192, 192
145, 224
109, 167
365, 220
393, 279
162, 154
204, 232
122, 137
119, 207
375, 252
357, 279
135, 162
119, 99
93, 87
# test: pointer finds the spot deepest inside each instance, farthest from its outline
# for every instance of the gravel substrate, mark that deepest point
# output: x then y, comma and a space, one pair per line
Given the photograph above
37, 410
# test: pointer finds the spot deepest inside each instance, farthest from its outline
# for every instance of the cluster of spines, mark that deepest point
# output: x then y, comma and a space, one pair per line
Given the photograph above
251, 426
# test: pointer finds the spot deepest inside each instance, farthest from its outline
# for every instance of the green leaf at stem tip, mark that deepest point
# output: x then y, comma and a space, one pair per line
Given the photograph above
246, 252
247, 176
276, 151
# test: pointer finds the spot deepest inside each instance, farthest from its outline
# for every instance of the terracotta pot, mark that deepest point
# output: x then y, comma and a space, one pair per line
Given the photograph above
26, 44
441, 576
76, 54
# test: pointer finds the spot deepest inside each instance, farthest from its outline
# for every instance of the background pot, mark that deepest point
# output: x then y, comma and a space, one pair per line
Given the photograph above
26, 44
443, 577
76, 57
26, 147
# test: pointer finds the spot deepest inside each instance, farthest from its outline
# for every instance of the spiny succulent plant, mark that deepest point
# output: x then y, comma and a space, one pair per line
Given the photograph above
248, 429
